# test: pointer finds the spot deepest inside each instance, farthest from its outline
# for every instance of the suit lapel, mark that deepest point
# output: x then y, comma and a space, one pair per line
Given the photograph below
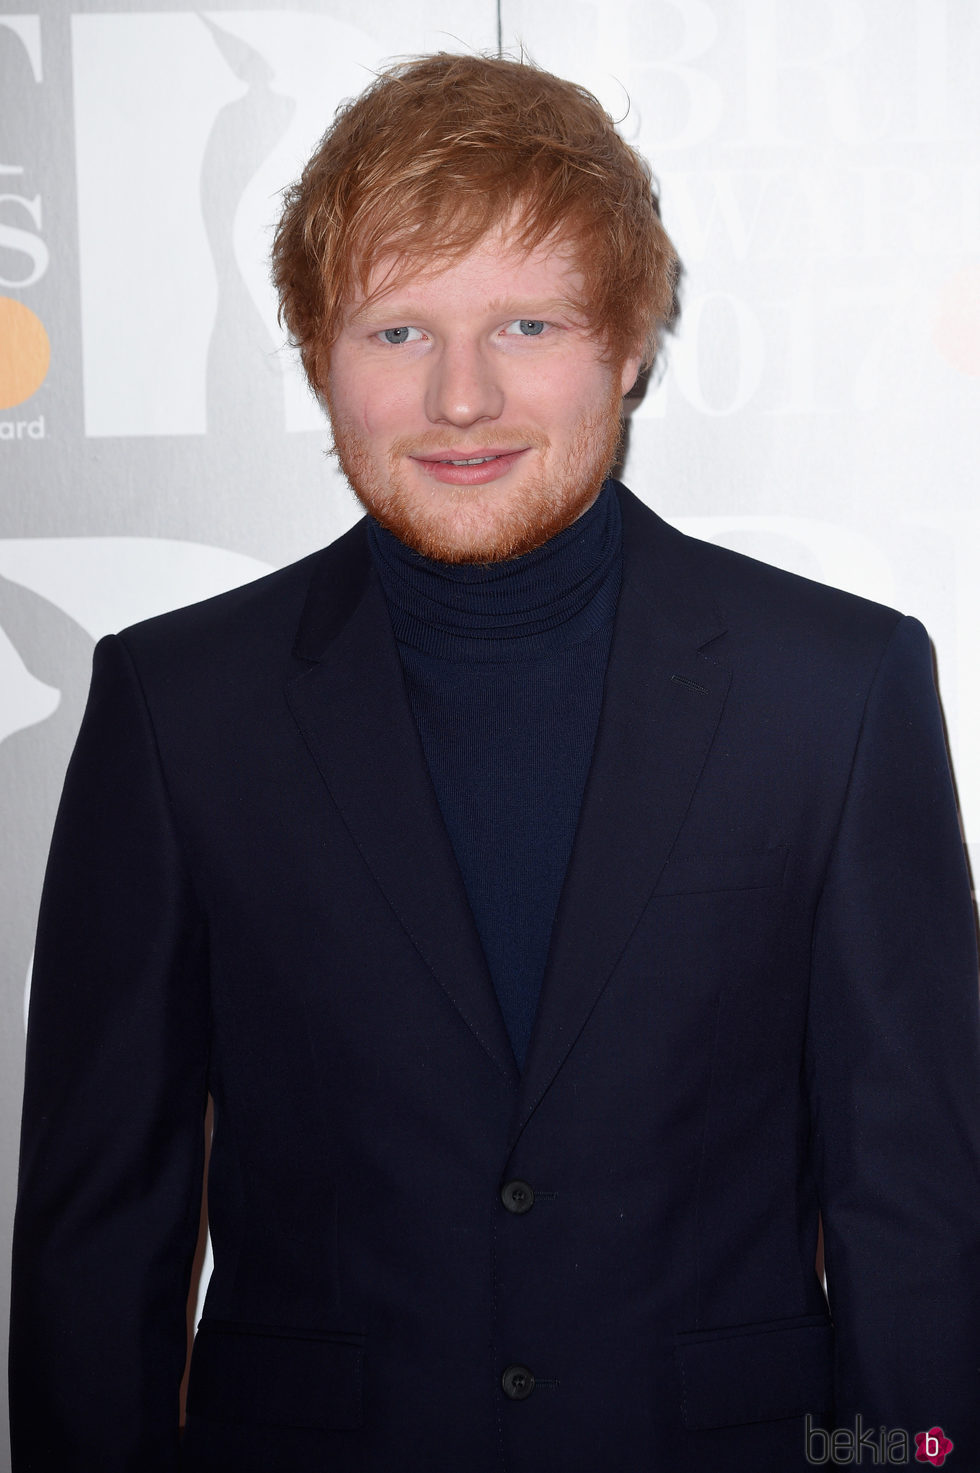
661, 706
351, 706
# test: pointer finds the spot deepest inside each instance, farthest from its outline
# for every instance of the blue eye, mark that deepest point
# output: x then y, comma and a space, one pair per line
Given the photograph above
528, 327
395, 335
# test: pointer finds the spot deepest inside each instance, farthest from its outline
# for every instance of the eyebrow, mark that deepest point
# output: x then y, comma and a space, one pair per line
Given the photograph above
405, 313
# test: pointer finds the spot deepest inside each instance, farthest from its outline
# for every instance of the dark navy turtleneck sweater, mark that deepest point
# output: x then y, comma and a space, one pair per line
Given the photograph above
504, 667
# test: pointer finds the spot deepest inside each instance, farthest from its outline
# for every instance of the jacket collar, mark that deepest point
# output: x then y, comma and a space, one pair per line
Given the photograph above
662, 701
352, 708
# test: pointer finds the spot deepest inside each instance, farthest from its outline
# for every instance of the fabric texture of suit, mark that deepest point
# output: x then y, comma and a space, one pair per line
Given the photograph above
760, 1003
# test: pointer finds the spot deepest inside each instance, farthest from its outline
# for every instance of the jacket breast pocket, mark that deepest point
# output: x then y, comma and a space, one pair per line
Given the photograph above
288, 1378
756, 1373
697, 874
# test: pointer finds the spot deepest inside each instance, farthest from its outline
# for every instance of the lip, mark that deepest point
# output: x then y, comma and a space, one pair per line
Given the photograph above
439, 466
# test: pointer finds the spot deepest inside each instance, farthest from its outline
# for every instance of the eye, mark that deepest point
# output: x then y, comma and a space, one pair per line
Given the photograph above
395, 335
528, 327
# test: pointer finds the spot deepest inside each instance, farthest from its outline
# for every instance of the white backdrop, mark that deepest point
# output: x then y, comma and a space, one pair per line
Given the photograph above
820, 409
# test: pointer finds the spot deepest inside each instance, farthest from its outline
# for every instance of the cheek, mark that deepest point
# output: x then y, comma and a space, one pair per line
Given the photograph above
574, 402
382, 410
361, 397
555, 400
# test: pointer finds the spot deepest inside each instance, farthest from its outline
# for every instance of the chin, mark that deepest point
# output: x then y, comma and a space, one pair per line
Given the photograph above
461, 530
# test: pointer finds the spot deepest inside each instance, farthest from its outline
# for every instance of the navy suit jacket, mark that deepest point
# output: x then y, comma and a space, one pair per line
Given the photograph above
760, 1006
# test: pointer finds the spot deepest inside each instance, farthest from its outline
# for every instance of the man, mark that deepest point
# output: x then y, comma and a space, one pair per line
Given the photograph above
563, 914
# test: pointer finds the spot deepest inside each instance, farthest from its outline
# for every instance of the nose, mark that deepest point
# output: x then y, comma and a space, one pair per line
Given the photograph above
464, 385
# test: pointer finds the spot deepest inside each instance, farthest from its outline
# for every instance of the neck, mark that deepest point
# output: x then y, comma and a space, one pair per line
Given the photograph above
525, 606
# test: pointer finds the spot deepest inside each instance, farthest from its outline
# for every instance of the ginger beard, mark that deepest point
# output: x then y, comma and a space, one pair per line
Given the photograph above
481, 524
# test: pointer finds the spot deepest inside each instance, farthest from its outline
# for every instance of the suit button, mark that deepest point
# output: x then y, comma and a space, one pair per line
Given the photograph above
517, 1197
518, 1383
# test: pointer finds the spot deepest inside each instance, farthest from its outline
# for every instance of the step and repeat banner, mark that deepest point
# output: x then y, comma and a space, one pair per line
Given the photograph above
818, 406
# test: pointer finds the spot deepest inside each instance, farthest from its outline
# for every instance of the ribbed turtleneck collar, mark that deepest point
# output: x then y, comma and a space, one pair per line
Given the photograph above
528, 606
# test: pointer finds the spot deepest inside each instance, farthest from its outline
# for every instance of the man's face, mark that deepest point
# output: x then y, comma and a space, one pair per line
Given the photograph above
471, 410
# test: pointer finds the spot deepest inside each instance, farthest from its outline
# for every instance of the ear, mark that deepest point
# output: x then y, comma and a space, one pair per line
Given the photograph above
629, 371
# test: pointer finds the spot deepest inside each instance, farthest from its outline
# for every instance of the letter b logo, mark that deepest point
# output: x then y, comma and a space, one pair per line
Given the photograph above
817, 1443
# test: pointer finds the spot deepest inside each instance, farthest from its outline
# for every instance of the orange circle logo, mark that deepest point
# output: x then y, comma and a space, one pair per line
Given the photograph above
25, 352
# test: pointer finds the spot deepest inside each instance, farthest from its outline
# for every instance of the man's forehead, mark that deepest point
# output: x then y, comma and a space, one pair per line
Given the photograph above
499, 267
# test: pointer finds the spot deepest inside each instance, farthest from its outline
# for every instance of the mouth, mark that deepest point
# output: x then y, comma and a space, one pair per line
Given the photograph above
475, 469
476, 460
477, 456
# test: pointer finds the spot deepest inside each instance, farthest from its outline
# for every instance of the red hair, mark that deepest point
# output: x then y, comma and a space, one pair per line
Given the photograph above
439, 151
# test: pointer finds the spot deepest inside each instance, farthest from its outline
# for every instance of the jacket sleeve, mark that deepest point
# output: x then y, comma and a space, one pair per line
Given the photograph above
894, 1074
112, 1135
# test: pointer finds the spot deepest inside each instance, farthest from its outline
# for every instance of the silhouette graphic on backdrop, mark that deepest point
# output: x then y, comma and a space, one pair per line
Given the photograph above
244, 376
53, 657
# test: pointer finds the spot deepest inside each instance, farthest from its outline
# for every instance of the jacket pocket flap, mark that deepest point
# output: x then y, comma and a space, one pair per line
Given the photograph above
287, 1378
756, 1373
694, 874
